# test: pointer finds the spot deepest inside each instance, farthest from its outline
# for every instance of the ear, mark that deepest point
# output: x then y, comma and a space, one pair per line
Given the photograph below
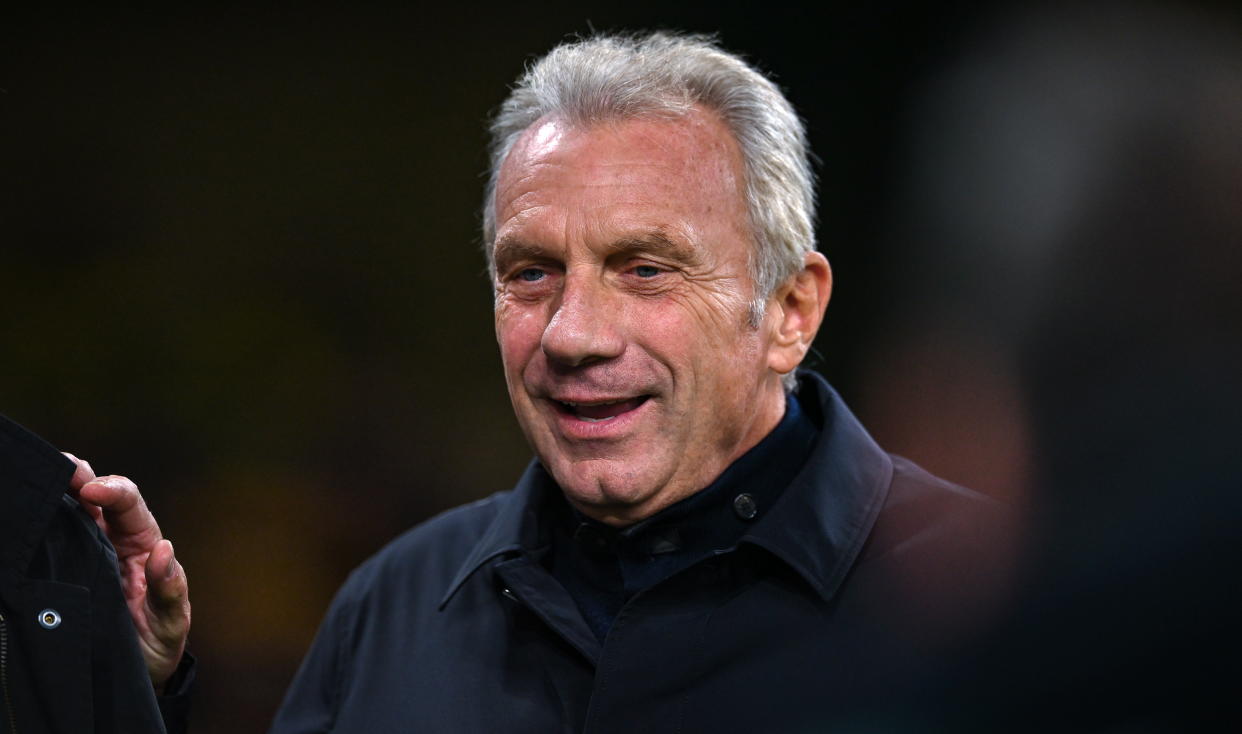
795, 312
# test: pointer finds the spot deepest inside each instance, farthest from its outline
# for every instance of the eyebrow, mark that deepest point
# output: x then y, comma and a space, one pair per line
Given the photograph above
510, 249
656, 242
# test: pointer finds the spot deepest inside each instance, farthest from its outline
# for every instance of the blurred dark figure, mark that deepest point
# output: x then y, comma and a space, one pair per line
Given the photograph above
1090, 163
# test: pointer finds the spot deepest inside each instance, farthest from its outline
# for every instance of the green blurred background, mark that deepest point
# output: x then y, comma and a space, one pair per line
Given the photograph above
240, 264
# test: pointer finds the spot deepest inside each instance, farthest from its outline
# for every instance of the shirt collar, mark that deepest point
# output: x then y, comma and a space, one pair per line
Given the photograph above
817, 526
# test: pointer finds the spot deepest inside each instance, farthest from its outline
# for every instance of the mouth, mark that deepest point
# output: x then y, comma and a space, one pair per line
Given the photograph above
599, 411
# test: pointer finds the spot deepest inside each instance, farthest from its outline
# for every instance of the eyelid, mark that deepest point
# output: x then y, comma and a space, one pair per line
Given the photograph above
515, 270
645, 262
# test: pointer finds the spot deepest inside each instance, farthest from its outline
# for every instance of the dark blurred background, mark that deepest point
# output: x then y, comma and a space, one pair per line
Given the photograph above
239, 263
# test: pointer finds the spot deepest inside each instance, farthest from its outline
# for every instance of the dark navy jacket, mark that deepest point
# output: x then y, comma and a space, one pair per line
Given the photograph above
852, 592
69, 656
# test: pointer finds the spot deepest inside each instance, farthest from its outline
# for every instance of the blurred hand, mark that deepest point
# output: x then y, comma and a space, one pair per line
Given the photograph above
154, 583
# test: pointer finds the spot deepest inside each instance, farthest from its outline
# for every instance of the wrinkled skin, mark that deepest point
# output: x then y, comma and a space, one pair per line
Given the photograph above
153, 581
622, 303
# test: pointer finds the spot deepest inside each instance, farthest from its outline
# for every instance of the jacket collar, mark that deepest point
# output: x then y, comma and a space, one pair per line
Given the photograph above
33, 478
817, 527
826, 513
515, 522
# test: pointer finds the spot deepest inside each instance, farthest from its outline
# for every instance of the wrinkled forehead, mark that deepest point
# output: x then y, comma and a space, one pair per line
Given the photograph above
691, 162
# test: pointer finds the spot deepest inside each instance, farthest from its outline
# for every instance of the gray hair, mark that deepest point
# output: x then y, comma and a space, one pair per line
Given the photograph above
662, 74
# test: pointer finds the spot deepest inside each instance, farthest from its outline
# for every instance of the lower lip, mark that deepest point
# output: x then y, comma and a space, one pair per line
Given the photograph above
576, 428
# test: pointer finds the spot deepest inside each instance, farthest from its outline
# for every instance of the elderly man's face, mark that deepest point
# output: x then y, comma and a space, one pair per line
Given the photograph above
622, 294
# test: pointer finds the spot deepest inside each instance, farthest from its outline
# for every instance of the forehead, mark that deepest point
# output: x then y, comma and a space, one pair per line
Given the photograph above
678, 173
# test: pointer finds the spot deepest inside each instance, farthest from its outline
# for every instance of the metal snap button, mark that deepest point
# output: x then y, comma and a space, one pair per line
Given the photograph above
49, 619
745, 507
508, 593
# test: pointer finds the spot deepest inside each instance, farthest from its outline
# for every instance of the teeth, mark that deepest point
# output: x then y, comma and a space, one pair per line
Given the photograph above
595, 420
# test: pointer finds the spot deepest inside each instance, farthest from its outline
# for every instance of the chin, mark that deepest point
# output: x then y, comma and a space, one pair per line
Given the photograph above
596, 487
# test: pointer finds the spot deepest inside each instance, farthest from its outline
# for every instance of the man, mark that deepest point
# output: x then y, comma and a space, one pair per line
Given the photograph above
704, 542
707, 541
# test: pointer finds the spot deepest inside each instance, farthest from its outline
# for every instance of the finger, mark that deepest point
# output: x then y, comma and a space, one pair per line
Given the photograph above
168, 595
82, 473
123, 507
166, 581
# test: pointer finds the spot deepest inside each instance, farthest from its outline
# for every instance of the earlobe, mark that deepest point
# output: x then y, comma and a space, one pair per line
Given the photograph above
798, 310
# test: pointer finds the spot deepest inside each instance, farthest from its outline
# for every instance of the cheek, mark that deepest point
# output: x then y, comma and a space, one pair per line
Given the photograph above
701, 328
519, 332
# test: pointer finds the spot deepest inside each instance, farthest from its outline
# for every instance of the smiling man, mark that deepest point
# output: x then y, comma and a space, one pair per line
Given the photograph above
623, 290
707, 540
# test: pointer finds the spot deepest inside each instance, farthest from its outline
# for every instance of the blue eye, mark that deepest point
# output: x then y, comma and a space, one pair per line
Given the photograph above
530, 275
646, 271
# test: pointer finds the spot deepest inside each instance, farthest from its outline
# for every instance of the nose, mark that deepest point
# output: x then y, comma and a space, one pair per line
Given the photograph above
585, 326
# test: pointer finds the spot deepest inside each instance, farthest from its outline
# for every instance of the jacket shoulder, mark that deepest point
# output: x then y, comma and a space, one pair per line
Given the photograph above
940, 549
425, 558
922, 508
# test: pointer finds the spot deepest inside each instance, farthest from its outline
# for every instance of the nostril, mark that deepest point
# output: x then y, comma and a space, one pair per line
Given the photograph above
584, 327
574, 347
